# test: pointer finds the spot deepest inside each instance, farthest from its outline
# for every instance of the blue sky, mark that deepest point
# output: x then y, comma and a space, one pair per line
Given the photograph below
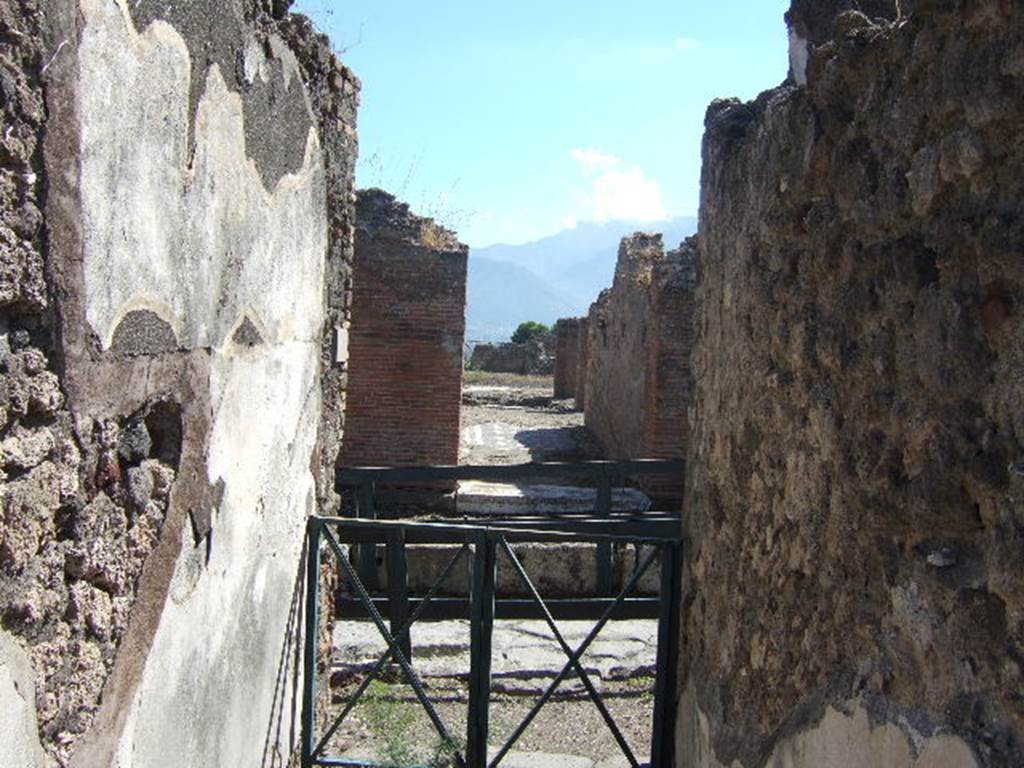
510, 121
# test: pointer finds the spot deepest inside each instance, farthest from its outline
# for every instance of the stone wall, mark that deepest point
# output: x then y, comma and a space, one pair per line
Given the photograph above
535, 357
408, 329
669, 384
582, 362
854, 593
163, 319
637, 382
567, 351
334, 95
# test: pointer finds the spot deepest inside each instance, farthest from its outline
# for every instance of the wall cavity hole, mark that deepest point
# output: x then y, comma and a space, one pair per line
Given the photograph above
163, 422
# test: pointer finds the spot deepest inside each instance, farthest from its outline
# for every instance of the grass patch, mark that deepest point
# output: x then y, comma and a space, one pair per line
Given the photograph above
393, 723
522, 381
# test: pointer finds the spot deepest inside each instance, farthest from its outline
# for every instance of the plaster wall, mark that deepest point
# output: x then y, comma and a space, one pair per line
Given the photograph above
202, 243
20, 746
163, 432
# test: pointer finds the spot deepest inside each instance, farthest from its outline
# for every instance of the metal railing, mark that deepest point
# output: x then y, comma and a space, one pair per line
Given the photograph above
486, 544
363, 483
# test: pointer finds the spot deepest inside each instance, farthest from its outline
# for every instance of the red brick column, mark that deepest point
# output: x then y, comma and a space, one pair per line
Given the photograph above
567, 344
406, 340
582, 357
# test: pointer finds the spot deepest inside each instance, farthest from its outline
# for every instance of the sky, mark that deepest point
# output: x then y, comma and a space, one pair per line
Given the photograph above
510, 121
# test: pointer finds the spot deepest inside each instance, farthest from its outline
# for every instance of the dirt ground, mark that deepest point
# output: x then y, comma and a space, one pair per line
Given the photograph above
511, 419
391, 726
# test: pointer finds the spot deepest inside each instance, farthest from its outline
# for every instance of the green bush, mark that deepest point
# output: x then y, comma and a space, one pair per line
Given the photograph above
529, 330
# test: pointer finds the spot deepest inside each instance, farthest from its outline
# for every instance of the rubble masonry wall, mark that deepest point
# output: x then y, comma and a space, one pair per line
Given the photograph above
582, 362
165, 305
854, 591
637, 358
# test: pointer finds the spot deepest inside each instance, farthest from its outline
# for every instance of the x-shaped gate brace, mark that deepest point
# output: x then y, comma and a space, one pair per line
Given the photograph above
487, 543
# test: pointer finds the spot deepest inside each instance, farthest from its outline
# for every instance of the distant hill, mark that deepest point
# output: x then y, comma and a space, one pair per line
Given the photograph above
558, 276
502, 295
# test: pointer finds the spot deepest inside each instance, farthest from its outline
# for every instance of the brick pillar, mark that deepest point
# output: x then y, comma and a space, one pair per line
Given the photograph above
582, 358
406, 341
567, 332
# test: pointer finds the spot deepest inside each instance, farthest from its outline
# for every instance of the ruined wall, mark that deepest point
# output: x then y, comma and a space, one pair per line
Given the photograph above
854, 593
637, 359
535, 357
334, 96
669, 384
408, 329
567, 350
582, 361
616, 367
162, 364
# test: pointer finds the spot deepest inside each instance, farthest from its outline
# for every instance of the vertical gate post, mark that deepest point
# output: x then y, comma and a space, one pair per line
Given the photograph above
604, 548
481, 629
666, 679
311, 639
398, 591
367, 565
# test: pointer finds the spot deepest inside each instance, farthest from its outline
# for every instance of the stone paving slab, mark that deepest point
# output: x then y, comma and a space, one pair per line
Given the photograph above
544, 760
479, 498
514, 442
526, 654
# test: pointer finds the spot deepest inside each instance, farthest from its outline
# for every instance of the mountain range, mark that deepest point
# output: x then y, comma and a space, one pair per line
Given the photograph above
557, 276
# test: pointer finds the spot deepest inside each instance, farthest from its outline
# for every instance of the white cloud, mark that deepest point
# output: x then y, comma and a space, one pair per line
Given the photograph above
619, 191
685, 43
594, 160
569, 222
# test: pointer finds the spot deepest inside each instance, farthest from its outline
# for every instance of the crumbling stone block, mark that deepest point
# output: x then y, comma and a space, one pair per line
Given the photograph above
637, 385
535, 357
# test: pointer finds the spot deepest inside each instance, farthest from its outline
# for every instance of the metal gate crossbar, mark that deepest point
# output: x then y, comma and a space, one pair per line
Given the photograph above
393, 649
393, 643
486, 542
574, 659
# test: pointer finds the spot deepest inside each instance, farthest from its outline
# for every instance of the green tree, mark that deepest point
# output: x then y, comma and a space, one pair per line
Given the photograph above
529, 330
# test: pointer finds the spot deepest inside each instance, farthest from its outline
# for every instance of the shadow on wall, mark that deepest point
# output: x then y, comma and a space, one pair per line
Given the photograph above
284, 710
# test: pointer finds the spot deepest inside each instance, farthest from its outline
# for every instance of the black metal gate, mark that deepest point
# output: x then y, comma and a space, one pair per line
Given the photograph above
485, 542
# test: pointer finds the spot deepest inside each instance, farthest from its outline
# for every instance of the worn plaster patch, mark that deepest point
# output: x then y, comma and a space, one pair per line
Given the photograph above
798, 57
277, 116
198, 232
845, 738
20, 743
